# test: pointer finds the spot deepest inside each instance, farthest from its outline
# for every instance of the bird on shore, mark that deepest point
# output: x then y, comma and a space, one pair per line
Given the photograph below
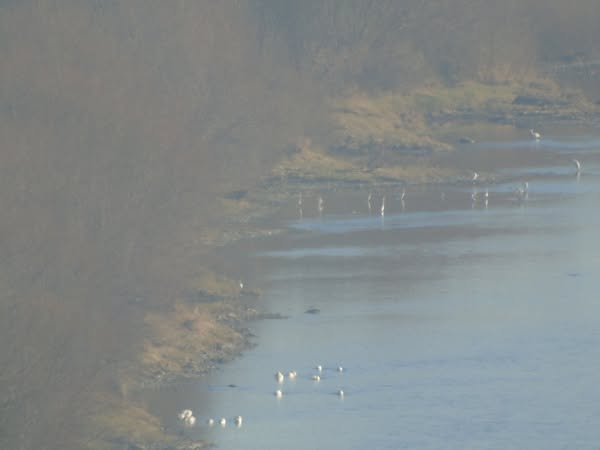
340, 393
320, 205
369, 201
340, 369
403, 194
238, 421
534, 134
210, 422
383, 206
577, 165
223, 422
319, 368
278, 393
475, 177
316, 378
279, 376
486, 197
292, 374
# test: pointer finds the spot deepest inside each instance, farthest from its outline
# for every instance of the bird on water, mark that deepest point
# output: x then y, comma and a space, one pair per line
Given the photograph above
534, 134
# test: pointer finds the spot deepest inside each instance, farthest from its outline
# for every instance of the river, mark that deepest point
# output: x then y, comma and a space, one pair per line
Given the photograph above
459, 323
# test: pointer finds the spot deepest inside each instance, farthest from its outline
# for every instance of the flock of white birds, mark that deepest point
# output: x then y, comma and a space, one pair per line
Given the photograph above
187, 418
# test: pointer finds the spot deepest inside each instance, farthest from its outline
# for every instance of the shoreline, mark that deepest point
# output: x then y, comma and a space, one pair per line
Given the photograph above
199, 333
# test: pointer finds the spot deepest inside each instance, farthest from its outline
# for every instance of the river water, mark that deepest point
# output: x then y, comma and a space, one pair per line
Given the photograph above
459, 324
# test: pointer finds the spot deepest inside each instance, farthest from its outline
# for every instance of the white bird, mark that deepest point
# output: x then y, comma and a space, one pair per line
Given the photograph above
319, 368
190, 421
292, 374
278, 393
184, 414
341, 393
340, 369
241, 285
300, 200
279, 377
523, 191
223, 421
537, 136
383, 206
210, 422
369, 201
577, 165
320, 204
403, 194
238, 421
316, 378
475, 176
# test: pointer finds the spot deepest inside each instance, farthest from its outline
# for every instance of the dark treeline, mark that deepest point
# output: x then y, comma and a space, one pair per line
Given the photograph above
121, 122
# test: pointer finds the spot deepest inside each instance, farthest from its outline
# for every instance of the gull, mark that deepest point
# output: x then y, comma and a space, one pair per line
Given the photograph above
319, 368
183, 415
238, 420
577, 165
340, 393
223, 422
340, 369
279, 377
369, 201
403, 194
383, 206
316, 378
292, 374
278, 393
475, 176
320, 204
190, 421
537, 136
210, 422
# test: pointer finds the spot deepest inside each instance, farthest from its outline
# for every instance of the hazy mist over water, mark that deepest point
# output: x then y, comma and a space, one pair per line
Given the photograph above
458, 326
122, 123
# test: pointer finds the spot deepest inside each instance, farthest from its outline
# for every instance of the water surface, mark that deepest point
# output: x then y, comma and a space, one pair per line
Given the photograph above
458, 324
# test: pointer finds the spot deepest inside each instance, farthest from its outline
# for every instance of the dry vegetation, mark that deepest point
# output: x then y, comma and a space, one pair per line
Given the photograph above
123, 125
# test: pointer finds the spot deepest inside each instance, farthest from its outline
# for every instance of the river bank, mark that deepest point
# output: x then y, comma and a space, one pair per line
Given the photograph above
382, 144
